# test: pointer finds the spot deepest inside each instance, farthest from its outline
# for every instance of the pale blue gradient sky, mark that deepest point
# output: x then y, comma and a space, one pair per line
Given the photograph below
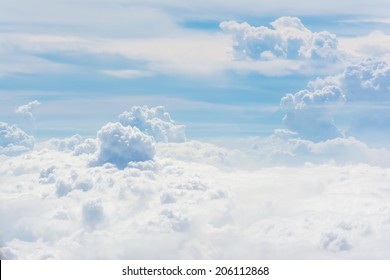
65, 54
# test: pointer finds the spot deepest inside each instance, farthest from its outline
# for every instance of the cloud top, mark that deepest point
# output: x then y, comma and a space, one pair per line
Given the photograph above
120, 145
310, 113
155, 122
13, 139
288, 39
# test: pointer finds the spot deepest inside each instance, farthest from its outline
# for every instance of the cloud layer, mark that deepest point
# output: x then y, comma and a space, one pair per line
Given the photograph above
188, 207
123, 195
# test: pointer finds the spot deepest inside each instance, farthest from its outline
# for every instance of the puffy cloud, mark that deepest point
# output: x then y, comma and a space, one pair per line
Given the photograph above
13, 140
120, 145
289, 39
353, 103
310, 211
310, 113
26, 110
308, 200
368, 80
154, 122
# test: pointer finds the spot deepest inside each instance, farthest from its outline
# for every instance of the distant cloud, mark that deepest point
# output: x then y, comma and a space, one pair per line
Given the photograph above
310, 114
13, 140
359, 97
27, 110
289, 39
154, 122
127, 73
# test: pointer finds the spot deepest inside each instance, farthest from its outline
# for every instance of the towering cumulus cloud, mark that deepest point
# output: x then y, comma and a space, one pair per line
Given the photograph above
289, 39
120, 145
13, 139
310, 114
154, 122
359, 97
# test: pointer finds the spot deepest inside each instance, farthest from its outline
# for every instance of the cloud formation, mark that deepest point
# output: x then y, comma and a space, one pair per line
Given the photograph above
26, 110
13, 140
186, 209
285, 196
289, 39
358, 98
310, 114
120, 145
155, 122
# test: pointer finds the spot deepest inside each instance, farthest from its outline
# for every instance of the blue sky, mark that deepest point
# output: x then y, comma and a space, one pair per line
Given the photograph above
88, 61
284, 153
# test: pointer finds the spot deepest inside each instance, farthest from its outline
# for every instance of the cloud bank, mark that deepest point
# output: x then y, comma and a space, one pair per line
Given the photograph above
282, 197
171, 207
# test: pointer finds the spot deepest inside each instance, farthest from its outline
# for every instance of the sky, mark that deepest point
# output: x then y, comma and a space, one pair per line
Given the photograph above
92, 60
118, 119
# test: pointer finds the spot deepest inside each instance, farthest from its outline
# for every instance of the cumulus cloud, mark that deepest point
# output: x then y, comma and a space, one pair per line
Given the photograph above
13, 140
368, 80
155, 122
27, 110
191, 210
288, 39
192, 200
353, 103
120, 145
310, 114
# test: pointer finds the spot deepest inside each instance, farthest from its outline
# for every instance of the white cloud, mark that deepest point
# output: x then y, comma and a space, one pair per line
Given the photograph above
285, 147
190, 53
289, 39
310, 114
127, 73
285, 196
120, 145
13, 140
26, 110
375, 44
154, 122
197, 211
353, 103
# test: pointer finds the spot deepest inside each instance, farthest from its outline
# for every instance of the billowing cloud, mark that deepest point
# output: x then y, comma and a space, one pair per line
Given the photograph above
154, 122
310, 114
289, 39
353, 103
189, 200
62, 208
120, 145
14, 140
